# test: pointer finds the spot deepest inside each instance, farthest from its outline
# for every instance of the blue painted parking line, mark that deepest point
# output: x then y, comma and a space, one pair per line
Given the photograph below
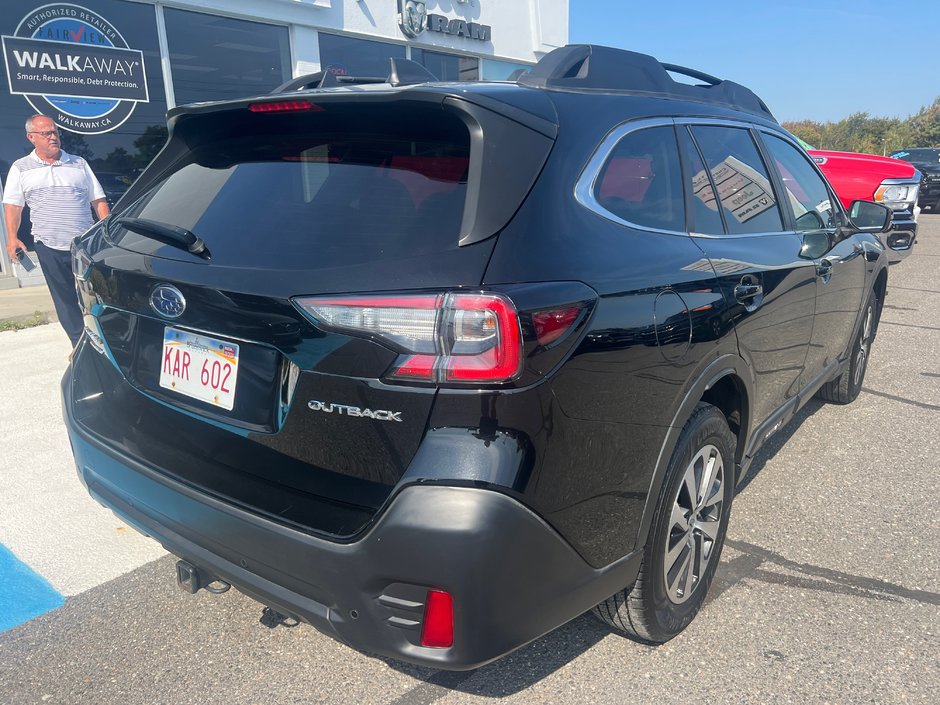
23, 593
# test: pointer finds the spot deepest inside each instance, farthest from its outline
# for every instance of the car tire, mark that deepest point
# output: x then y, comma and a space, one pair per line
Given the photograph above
681, 556
845, 388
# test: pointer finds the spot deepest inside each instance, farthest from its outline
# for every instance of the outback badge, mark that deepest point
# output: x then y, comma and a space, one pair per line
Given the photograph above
342, 409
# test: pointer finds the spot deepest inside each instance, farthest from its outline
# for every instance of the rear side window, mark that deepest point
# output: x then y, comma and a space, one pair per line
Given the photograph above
350, 192
641, 180
740, 177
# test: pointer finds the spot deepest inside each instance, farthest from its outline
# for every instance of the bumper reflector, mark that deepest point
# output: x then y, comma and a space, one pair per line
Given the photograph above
438, 628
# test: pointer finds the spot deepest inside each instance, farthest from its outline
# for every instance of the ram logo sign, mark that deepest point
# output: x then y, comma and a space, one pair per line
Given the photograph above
413, 18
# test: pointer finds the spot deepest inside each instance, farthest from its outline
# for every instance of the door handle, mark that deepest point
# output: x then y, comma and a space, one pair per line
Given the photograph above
747, 292
824, 270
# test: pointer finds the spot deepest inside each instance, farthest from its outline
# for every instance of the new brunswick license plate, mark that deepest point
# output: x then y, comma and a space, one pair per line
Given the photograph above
200, 367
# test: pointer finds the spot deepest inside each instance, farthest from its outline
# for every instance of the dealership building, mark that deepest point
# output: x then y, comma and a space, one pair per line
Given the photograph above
106, 71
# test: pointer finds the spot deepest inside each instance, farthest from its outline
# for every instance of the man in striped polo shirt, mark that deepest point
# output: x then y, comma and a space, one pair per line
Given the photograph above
58, 188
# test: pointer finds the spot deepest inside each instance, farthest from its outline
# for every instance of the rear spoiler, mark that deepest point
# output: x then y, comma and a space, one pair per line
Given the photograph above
402, 72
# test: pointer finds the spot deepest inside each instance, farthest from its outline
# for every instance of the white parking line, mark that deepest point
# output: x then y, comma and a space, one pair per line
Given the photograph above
47, 518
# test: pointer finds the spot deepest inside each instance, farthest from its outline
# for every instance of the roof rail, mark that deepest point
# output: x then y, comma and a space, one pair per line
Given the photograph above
588, 66
402, 72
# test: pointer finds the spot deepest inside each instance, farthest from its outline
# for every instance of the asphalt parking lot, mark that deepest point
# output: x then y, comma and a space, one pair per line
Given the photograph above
828, 591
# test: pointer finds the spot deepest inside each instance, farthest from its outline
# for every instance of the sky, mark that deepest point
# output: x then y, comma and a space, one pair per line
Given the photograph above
819, 60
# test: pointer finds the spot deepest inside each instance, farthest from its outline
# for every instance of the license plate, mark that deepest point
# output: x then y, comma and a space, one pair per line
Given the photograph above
199, 367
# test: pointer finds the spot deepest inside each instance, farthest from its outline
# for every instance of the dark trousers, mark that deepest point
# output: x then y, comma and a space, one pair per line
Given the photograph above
57, 268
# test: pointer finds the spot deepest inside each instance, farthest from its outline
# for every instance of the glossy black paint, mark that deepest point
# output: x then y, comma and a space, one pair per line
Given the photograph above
578, 442
774, 336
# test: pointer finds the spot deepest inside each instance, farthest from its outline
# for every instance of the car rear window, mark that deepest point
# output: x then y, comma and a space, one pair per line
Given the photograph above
327, 197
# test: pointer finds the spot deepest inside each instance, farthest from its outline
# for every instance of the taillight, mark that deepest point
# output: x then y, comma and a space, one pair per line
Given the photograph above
552, 325
81, 263
487, 345
452, 338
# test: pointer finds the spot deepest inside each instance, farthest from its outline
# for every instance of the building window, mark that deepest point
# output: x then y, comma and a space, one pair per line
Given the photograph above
494, 70
220, 58
117, 137
448, 67
346, 56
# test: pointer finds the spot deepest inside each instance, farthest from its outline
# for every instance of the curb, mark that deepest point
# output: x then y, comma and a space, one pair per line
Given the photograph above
21, 322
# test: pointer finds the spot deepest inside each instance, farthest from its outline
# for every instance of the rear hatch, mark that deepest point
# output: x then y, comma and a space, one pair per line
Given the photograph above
211, 370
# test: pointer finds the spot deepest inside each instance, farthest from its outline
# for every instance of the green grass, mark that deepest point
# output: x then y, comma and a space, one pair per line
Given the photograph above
38, 319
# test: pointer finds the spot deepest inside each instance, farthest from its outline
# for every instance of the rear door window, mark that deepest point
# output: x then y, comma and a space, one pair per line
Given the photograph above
744, 190
705, 216
334, 196
641, 181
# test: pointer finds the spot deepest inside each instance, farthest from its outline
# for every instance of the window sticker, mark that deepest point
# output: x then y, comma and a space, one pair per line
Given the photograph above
741, 189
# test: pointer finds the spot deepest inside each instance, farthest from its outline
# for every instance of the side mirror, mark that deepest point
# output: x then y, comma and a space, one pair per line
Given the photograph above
815, 244
810, 220
869, 217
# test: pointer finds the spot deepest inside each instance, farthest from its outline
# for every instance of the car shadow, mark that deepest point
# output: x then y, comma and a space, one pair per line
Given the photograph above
530, 664
777, 442
513, 673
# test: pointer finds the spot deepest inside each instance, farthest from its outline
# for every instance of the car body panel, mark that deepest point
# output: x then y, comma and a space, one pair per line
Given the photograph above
529, 499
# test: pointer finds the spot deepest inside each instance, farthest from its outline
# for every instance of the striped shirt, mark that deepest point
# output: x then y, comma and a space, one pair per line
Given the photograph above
58, 196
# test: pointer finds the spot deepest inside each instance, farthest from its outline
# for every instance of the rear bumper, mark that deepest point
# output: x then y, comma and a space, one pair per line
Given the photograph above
512, 577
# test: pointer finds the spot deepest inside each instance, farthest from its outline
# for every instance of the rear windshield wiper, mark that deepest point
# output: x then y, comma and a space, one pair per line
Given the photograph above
168, 234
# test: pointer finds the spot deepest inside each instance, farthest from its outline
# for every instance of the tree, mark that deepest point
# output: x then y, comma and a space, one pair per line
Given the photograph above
925, 126
149, 143
873, 135
807, 130
74, 143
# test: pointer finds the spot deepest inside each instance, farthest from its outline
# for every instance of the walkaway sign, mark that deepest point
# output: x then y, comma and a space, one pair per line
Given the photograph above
37, 66
74, 66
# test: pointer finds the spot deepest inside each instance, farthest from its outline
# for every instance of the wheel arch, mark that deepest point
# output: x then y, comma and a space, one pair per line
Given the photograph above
881, 290
726, 383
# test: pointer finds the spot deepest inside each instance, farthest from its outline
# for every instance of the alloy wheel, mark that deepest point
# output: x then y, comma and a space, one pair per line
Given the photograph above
694, 524
861, 357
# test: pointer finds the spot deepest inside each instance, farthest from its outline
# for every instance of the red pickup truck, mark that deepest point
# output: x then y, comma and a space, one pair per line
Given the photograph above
868, 177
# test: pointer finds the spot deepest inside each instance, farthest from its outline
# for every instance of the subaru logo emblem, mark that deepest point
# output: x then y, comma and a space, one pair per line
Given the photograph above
167, 301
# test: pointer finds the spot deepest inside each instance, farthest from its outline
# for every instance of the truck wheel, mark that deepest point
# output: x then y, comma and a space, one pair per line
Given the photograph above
845, 388
686, 536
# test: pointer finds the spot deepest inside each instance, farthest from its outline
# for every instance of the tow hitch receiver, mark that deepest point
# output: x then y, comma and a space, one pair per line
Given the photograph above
191, 580
187, 577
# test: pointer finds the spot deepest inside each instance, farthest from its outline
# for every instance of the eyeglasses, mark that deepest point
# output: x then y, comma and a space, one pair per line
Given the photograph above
47, 133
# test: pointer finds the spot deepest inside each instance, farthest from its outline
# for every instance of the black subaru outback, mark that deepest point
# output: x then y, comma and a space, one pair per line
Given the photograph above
437, 367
